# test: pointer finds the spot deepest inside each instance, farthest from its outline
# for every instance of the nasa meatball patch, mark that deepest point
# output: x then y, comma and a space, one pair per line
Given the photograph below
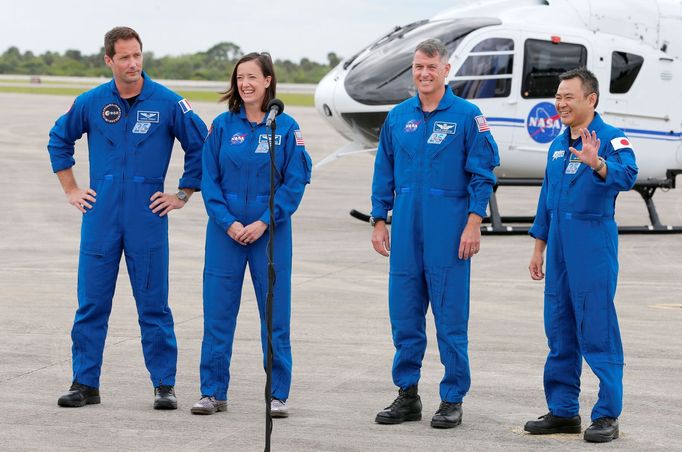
620, 143
111, 113
411, 126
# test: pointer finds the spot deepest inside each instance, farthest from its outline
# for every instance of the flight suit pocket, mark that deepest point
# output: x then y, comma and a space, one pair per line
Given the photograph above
595, 328
552, 319
447, 193
492, 147
554, 170
145, 187
449, 293
101, 188
92, 271
307, 167
262, 170
154, 278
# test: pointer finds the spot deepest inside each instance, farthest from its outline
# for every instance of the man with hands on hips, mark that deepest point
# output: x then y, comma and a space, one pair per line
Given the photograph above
587, 166
131, 123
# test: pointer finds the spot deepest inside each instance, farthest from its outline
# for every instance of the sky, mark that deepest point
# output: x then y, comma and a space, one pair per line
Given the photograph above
288, 30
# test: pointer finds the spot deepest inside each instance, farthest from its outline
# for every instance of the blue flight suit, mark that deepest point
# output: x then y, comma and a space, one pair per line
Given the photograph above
129, 150
432, 169
236, 187
575, 218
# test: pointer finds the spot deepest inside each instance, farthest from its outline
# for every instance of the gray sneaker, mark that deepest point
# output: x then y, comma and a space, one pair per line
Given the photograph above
278, 408
209, 405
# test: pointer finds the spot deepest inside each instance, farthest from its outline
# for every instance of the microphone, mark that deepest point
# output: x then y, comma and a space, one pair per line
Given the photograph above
275, 107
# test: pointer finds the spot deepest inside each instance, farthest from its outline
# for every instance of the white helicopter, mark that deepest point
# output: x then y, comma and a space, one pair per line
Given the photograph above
506, 56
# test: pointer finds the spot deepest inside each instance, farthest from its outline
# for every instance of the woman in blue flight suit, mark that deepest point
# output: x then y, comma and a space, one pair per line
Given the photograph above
236, 186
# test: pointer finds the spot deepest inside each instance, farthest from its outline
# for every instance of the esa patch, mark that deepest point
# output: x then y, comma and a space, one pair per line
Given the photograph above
142, 127
445, 127
437, 138
620, 143
558, 154
237, 139
111, 113
411, 126
572, 167
147, 116
184, 106
482, 123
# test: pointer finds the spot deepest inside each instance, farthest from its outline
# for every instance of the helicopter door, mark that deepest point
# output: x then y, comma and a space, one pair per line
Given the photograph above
485, 77
543, 62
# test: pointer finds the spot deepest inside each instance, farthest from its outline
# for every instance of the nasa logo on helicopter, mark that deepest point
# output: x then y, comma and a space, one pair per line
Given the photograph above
543, 123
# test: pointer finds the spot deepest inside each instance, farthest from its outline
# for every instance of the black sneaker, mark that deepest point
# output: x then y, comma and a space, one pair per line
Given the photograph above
406, 407
164, 398
602, 430
549, 424
79, 395
448, 415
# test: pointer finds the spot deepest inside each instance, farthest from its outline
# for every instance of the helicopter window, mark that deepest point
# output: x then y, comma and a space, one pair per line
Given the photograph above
494, 45
624, 69
382, 74
487, 70
544, 62
476, 65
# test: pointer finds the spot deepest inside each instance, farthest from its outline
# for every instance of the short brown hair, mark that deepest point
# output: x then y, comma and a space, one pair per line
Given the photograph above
234, 100
118, 33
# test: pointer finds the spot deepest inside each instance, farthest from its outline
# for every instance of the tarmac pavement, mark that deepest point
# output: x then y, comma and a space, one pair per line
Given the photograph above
340, 331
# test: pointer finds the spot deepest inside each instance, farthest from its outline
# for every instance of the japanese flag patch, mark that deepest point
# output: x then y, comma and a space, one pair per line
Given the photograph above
620, 143
482, 123
184, 106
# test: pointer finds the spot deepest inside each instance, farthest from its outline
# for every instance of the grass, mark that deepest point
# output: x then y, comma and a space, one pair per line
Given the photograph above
42, 81
294, 99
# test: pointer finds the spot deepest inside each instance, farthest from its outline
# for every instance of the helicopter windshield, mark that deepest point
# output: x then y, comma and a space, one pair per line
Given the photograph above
383, 74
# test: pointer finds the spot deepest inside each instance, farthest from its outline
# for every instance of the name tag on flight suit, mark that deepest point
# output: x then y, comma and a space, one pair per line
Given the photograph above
573, 165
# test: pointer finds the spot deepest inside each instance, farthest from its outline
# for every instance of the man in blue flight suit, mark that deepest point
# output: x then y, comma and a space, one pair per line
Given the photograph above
131, 123
587, 166
434, 169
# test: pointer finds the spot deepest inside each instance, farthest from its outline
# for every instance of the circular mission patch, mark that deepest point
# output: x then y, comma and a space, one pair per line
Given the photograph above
111, 113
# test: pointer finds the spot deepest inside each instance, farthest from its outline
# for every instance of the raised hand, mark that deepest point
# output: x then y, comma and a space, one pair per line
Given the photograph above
590, 151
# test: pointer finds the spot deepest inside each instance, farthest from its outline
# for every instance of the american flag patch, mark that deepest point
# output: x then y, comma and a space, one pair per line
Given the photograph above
482, 123
299, 138
184, 105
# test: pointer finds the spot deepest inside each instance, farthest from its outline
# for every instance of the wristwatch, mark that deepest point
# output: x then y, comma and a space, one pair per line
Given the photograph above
373, 221
182, 195
599, 167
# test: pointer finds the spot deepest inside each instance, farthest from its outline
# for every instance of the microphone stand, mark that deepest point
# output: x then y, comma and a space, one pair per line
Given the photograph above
271, 283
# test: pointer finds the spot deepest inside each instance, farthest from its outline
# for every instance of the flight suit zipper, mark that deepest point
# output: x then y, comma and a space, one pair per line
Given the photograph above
125, 154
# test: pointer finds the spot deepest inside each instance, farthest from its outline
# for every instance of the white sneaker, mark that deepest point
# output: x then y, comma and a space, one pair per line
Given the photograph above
278, 408
209, 405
